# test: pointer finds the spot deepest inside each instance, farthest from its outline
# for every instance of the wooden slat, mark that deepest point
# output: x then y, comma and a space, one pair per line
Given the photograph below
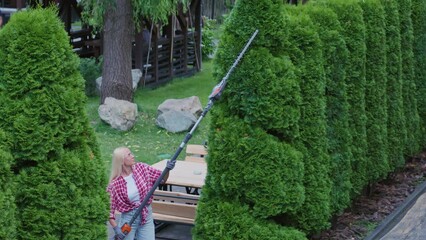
168, 218
195, 159
196, 149
176, 197
174, 209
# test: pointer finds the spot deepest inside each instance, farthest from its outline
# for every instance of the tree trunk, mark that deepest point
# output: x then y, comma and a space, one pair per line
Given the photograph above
117, 50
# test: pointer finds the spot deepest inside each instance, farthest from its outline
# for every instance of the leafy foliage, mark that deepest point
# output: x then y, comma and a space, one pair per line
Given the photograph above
90, 69
208, 45
56, 160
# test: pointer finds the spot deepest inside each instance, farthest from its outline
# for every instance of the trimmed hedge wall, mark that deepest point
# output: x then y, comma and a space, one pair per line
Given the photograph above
375, 90
412, 118
397, 133
335, 60
305, 52
60, 177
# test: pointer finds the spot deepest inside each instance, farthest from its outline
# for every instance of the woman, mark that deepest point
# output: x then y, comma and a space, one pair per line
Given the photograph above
129, 183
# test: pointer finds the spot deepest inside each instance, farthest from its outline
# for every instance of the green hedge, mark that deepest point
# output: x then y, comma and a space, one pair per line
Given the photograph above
375, 90
397, 133
408, 83
305, 52
418, 17
351, 18
8, 221
335, 56
61, 179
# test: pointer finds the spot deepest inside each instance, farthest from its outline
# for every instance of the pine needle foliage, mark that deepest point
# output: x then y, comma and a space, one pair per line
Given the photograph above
305, 52
60, 177
397, 133
335, 56
412, 118
375, 90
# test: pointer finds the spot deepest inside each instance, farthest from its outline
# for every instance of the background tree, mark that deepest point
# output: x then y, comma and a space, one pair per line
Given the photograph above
60, 177
118, 19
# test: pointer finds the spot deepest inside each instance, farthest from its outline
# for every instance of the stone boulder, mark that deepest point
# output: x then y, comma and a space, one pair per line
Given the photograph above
119, 114
136, 77
178, 115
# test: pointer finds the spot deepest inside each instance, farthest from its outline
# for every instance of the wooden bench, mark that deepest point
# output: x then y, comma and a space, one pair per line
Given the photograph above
175, 207
196, 153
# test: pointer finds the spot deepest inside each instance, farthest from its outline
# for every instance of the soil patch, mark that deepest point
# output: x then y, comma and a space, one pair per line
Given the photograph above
368, 211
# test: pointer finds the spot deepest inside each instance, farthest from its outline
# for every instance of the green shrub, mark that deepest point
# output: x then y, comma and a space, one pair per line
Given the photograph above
305, 52
335, 56
209, 46
350, 16
397, 132
412, 118
90, 69
61, 179
418, 17
375, 90
8, 221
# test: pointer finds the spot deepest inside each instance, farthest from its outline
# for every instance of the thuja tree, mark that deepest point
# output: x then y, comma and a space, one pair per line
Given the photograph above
255, 175
8, 222
60, 176
397, 132
408, 83
418, 17
335, 56
375, 90
305, 52
351, 18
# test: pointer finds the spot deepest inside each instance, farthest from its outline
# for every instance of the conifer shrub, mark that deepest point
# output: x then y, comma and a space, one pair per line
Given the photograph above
412, 118
305, 52
8, 221
375, 90
335, 56
397, 132
60, 177
418, 17
351, 19
90, 69
253, 167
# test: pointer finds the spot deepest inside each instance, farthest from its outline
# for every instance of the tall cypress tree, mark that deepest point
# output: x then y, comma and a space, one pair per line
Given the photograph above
335, 56
412, 118
252, 128
61, 179
351, 18
375, 90
305, 52
397, 133
418, 17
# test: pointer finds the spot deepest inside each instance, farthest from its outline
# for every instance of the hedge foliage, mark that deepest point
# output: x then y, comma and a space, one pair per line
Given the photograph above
339, 139
396, 127
315, 112
375, 90
58, 171
408, 83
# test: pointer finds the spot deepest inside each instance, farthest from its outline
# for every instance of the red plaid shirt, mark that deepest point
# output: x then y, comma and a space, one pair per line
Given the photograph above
145, 177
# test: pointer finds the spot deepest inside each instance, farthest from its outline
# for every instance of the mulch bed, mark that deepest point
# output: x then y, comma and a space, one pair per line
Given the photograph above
368, 211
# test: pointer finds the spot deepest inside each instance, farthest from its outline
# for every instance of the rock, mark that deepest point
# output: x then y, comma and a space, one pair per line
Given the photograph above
136, 77
119, 114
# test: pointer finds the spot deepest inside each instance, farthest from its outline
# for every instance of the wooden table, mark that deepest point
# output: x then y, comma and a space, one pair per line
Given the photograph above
185, 174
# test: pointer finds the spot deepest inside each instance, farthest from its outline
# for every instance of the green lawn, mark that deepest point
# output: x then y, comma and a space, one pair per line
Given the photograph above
148, 142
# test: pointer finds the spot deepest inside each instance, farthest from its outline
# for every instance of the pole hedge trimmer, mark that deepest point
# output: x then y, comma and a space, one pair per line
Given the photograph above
214, 96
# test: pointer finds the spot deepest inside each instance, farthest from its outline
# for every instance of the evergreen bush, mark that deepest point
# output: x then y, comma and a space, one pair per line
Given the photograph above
8, 221
335, 56
61, 179
90, 69
305, 50
350, 16
397, 132
418, 17
375, 90
412, 118
252, 129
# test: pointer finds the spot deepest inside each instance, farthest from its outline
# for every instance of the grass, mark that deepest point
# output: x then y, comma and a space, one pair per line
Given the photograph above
148, 142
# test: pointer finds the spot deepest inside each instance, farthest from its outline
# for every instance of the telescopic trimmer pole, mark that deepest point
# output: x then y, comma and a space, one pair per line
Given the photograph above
214, 96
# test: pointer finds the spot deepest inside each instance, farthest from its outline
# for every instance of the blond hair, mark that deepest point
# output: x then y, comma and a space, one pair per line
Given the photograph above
117, 162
